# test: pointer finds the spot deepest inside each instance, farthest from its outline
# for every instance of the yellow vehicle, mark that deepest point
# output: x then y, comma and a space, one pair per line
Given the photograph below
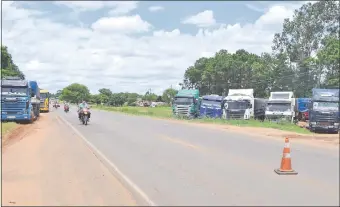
44, 100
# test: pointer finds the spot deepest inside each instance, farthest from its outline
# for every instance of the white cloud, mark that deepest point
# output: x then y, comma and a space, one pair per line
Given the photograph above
155, 8
117, 7
254, 8
123, 7
107, 55
124, 24
202, 19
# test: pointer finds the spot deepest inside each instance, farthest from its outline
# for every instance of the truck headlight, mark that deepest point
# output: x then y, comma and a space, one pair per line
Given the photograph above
336, 124
313, 123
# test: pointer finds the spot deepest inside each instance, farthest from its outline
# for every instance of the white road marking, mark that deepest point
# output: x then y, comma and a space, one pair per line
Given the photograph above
103, 157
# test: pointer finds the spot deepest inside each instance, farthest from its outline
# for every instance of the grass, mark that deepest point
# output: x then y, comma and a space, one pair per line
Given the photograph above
166, 112
7, 127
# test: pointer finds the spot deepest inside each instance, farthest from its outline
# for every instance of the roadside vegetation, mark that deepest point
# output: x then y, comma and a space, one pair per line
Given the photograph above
7, 127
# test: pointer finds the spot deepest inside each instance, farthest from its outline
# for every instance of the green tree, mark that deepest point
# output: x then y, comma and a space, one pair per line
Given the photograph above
168, 94
75, 93
8, 68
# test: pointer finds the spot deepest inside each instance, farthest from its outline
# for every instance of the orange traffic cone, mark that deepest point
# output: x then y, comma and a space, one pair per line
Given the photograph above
286, 163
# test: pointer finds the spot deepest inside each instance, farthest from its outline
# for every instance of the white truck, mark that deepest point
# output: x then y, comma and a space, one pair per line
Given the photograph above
281, 105
239, 104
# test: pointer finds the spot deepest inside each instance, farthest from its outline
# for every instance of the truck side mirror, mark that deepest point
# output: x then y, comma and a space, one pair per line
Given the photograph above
32, 94
250, 105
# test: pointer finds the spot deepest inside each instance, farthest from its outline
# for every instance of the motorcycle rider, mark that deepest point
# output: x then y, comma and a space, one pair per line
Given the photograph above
66, 106
81, 106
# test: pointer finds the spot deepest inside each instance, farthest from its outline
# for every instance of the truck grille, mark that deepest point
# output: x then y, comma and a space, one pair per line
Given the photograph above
235, 114
12, 107
210, 112
42, 105
325, 117
182, 110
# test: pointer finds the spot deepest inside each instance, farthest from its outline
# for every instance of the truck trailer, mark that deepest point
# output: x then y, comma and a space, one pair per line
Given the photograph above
186, 103
35, 99
302, 106
281, 106
324, 110
211, 106
16, 100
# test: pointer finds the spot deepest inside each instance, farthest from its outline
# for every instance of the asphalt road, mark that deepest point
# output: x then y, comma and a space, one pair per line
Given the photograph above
176, 164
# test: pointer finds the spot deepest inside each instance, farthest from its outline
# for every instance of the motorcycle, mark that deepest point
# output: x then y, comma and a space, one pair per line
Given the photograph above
84, 116
55, 106
66, 108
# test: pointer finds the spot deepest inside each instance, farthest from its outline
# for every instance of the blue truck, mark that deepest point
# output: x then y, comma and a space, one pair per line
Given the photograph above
211, 106
324, 110
16, 103
35, 98
302, 107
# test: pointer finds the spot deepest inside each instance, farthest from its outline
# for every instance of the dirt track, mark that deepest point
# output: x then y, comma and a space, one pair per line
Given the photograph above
46, 164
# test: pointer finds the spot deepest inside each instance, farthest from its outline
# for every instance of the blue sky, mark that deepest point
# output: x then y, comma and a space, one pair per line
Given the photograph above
122, 45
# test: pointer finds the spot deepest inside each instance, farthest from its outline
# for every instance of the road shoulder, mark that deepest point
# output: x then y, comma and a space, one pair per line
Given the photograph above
50, 165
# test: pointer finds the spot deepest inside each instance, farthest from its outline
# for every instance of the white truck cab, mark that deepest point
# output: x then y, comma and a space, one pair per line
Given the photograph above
281, 105
239, 104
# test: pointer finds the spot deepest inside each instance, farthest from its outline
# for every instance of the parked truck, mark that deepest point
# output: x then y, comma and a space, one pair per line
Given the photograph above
44, 100
186, 103
302, 105
35, 99
324, 110
281, 106
16, 100
211, 106
238, 104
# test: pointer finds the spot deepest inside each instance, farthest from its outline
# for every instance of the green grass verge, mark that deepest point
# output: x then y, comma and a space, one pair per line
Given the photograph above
166, 112
7, 127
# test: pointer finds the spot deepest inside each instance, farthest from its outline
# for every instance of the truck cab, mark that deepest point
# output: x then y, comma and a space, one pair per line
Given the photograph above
16, 100
186, 103
211, 106
324, 110
281, 106
44, 100
239, 104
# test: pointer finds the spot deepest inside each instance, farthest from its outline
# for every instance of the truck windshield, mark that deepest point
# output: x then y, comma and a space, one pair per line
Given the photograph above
280, 96
278, 107
184, 100
43, 95
323, 106
236, 105
15, 91
211, 103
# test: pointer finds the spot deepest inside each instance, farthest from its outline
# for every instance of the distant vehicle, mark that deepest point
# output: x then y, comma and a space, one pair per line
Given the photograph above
16, 103
211, 106
44, 100
66, 108
281, 106
324, 110
186, 103
302, 105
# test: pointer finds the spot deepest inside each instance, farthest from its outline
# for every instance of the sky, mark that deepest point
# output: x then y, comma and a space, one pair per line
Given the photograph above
130, 46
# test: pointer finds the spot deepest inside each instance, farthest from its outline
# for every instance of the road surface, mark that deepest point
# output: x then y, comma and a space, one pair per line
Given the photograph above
166, 163
48, 165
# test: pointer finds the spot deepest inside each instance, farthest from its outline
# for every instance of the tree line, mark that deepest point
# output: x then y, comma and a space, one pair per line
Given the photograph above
75, 93
304, 55
8, 67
